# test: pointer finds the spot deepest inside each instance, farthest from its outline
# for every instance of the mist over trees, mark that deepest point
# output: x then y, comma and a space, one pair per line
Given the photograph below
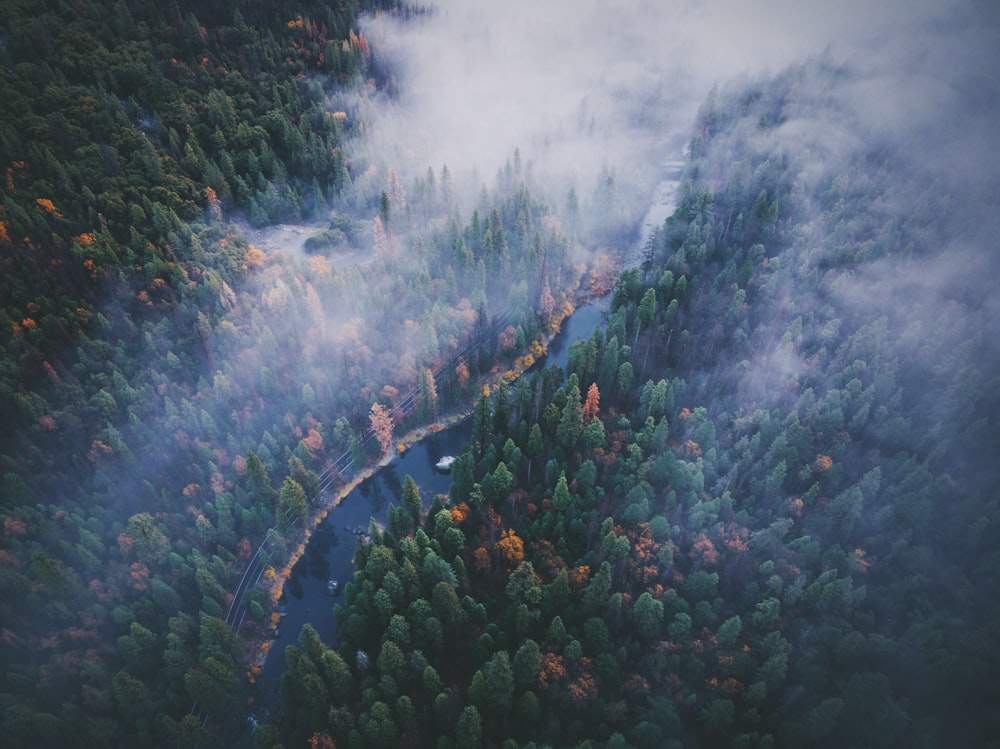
173, 392
756, 510
778, 529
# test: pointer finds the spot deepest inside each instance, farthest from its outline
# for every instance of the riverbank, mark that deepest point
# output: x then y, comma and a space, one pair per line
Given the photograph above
275, 580
595, 285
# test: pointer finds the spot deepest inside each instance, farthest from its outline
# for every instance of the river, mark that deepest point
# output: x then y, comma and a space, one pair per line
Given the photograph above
329, 554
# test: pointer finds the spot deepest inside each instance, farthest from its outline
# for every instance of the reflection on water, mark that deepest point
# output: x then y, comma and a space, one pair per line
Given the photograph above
329, 554
330, 551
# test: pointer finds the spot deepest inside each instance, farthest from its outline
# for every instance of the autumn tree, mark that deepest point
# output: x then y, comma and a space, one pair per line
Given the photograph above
428, 394
546, 304
592, 405
382, 426
510, 548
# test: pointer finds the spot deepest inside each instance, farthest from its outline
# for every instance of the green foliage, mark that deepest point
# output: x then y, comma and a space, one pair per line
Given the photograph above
722, 541
723, 544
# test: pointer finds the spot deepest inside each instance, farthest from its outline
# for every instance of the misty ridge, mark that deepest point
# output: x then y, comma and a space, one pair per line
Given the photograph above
821, 387
836, 237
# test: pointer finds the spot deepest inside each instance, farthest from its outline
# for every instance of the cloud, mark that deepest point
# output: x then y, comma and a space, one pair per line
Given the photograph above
579, 86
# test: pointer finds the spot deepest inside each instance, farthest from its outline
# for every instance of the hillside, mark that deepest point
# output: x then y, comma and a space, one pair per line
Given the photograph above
757, 510
172, 393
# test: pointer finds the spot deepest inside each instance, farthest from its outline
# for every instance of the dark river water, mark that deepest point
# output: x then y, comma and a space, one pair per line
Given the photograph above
331, 547
329, 553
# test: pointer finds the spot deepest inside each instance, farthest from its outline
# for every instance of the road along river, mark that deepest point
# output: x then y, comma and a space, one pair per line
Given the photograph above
329, 553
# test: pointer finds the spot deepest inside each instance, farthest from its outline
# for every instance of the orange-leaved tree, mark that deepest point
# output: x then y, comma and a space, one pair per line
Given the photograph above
592, 405
381, 423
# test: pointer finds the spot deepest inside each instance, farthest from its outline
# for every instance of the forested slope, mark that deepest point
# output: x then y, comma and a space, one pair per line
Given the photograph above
759, 511
171, 392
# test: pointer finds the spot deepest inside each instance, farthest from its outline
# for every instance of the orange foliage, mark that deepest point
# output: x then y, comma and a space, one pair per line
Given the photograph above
254, 258
481, 559
860, 563
358, 40
523, 363
10, 175
732, 686
546, 304
552, 670
48, 206
592, 405
4, 235
139, 574
603, 273
642, 555
460, 513
125, 542
381, 423
244, 549
462, 372
823, 462
321, 741
28, 324
217, 482
635, 685
214, 206
51, 373
97, 449
734, 537
578, 577
191, 490
506, 338
584, 688
546, 560
685, 414
12, 527
319, 266
692, 449
313, 441
510, 548
705, 549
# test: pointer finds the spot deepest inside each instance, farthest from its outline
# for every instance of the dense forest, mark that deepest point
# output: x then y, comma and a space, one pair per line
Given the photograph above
173, 393
759, 508
756, 509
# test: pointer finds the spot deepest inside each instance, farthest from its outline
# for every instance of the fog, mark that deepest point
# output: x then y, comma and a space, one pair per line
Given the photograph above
578, 86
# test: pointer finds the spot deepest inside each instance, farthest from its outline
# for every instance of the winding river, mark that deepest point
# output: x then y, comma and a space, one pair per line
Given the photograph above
331, 546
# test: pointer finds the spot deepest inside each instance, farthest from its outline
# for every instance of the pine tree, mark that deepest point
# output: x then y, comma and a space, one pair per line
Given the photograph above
571, 422
411, 500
